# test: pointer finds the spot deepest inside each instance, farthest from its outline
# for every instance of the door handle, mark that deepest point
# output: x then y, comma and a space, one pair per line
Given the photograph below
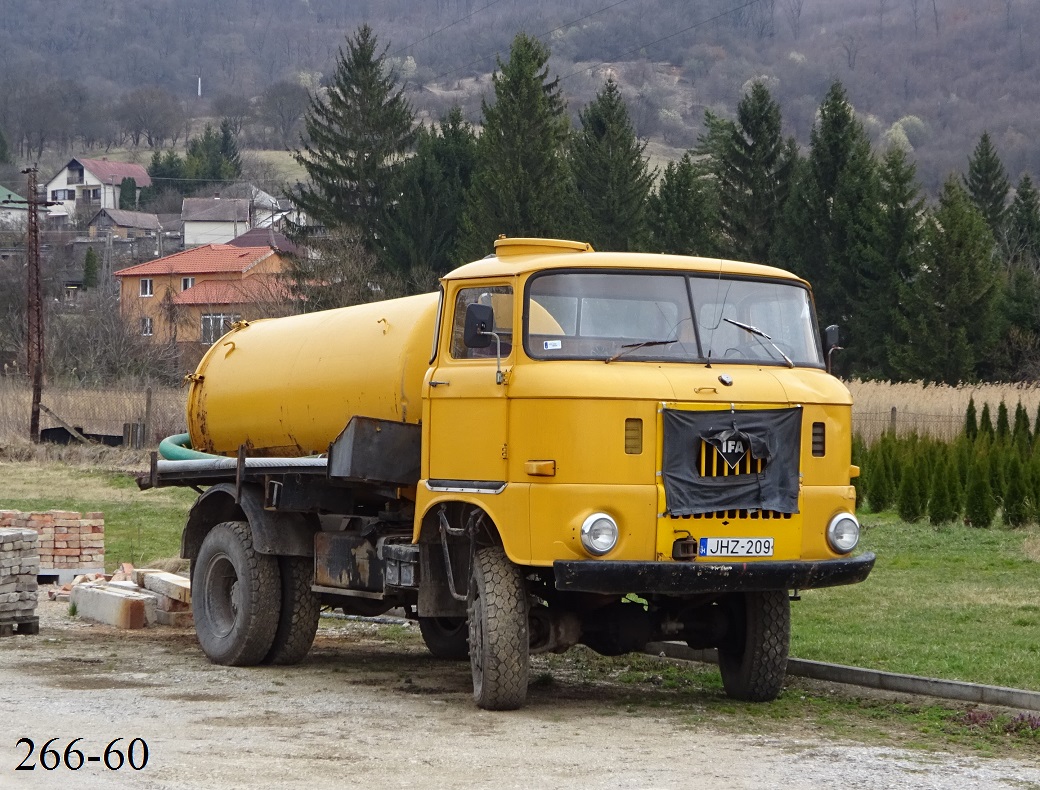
439, 383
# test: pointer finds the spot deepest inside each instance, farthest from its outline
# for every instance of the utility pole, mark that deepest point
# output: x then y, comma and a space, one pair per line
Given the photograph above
35, 312
34, 315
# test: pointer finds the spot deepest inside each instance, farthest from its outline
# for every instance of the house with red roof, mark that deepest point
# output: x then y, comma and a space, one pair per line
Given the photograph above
194, 296
88, 185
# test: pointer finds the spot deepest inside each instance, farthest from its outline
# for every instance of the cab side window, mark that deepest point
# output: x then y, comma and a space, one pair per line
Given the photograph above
500, 299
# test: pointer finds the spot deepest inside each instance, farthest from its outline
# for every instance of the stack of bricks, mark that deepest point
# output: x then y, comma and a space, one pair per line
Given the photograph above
68, 542
19, 564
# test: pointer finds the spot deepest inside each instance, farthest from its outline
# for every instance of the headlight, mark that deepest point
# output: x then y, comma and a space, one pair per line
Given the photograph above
599, 534
843, 533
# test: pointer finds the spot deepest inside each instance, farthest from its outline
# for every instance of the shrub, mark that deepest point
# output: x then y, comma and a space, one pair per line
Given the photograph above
1003, 426
944, 496
986, 422
971, 421
913, 488
979, 505
1016, 497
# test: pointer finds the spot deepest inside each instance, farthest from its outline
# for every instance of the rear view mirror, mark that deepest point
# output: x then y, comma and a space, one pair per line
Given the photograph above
832, 336
480, 322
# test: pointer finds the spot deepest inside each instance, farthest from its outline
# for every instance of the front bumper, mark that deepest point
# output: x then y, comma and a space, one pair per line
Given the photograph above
682, 578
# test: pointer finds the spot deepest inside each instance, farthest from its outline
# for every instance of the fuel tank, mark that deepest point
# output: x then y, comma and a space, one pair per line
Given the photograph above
288, 386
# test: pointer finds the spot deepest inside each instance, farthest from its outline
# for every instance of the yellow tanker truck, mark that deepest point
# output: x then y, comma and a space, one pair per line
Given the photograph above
562, 446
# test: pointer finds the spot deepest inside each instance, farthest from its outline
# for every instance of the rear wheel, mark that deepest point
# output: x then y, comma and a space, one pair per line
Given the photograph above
498, 632
446, 637
753, 657
235, 596
298, 620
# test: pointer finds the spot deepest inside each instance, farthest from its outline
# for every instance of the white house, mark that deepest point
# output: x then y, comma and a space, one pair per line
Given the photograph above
214, 220
91, 185
14, 210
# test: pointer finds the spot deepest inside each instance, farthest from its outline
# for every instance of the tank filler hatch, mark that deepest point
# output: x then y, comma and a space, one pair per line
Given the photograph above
505, 247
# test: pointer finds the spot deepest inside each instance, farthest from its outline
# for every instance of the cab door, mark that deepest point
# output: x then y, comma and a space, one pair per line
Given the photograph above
468, 408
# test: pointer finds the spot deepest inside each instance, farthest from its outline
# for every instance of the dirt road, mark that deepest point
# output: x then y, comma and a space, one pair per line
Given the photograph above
378, 712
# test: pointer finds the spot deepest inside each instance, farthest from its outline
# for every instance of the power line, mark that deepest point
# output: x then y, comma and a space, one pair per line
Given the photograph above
441, 30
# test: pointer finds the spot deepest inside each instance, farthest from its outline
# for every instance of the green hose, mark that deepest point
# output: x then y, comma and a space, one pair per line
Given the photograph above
178, 448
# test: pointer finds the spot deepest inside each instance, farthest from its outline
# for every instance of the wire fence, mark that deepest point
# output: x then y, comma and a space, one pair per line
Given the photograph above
142, 416
156, 412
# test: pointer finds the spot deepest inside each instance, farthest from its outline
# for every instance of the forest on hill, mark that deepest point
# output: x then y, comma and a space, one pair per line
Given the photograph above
928, 75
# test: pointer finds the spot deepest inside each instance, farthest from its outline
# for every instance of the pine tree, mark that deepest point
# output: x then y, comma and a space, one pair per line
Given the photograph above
683, 211
91, 268
229, 150
912, 500
987, 184
979, 505
420, 239
943, 499
831, 226
971, 423
520, 185
753, 165
207, 158
612, 177
948, 309
1024, 224
901, 234
356, 136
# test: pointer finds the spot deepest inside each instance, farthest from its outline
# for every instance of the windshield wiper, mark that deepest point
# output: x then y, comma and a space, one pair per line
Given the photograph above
633, 346
759, 333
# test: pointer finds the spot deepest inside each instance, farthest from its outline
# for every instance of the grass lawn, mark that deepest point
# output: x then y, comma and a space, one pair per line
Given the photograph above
140, 526
950, 602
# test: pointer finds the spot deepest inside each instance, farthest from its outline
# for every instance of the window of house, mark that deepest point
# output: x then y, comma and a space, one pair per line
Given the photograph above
187, 282
146, 286
214, 325
146, 326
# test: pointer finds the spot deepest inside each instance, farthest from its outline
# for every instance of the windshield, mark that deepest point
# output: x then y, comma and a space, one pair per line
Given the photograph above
669, 317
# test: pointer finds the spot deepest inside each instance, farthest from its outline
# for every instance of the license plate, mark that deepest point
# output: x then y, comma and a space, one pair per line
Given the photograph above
735, 547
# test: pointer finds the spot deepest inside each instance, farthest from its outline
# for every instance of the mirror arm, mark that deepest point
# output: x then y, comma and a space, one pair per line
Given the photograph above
499, 376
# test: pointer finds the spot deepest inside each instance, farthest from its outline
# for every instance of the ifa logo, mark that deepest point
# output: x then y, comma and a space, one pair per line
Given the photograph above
731, 444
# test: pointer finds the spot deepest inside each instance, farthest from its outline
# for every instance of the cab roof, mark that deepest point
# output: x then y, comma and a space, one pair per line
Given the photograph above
523, 255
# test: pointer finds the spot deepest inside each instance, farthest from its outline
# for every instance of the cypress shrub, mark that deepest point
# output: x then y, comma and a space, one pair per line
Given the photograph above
997, 465
1003, 426
1016, 497
1020, 432
979, 505
912, 500
971, 421
944, 499
1033, 467
985, 422
881, 487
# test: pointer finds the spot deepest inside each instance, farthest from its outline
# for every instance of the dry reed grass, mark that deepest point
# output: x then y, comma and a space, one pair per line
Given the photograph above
100, 411
931, 410
1031, 547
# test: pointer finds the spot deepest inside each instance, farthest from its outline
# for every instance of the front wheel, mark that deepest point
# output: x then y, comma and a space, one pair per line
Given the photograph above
446, 637
236, 597
753, 656
499, 642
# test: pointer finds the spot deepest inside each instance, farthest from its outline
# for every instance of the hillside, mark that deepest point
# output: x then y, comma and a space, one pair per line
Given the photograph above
959, 67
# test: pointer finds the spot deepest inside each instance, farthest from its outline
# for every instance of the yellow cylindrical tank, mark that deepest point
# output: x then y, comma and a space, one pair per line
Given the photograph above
288, 386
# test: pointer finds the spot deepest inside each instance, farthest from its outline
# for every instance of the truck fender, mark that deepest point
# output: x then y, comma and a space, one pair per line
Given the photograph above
284, 534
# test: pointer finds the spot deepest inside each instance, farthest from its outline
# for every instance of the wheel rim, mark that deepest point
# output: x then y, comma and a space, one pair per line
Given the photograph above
222, 595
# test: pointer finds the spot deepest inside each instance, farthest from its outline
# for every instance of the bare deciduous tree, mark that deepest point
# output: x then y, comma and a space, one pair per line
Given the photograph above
851, 46
793, 11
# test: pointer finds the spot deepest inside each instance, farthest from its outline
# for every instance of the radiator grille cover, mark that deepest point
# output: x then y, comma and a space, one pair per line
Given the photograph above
731, 460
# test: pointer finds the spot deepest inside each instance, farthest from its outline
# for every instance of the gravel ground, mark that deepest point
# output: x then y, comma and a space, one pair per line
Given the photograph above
362, 711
